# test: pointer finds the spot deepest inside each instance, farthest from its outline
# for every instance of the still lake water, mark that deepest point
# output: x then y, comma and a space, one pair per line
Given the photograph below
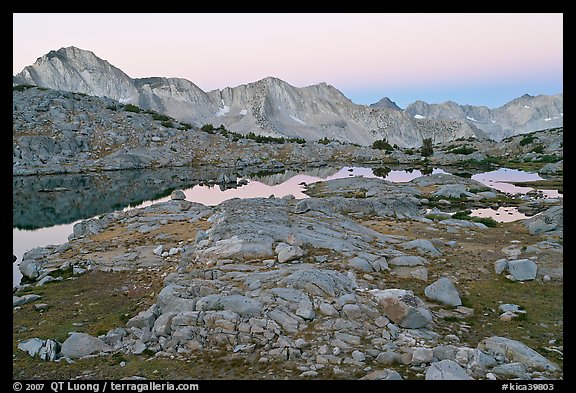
47, 228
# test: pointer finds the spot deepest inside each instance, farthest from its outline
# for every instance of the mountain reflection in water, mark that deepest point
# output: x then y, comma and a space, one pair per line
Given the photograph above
45, 208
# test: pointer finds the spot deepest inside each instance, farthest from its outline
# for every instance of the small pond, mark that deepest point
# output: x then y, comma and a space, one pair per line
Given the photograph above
46, 208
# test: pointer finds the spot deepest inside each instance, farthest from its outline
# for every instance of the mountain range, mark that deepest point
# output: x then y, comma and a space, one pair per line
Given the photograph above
273, 107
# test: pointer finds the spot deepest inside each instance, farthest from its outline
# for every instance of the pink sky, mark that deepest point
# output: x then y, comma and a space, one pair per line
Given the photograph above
485, 58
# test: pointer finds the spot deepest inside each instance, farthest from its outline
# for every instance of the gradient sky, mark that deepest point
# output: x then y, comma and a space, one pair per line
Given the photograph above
477, 59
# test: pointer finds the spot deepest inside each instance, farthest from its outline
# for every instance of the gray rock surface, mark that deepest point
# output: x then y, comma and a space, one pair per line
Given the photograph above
78, 345
225, 289
446, 370
32, 346
288, 253
402, 307
519, 116
50, 351
510, 371
452, 191
550, 220
178, 195
522, 269
422, 355
24, 299
408, 260
385, 374
421, 245
443, 291
237, 303
500, 265
516, 351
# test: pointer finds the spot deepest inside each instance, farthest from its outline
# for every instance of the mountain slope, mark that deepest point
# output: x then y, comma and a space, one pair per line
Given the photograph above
519, 116
386, 103
79, 71
273, 107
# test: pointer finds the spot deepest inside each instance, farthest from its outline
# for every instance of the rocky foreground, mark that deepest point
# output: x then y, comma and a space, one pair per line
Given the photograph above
365, 279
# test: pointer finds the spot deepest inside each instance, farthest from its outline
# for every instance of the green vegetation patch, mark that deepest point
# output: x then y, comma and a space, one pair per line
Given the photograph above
184, 126
92, 303
527, 140
381, 171
465, 215
132, 108
157, 116
547, 184
426, 150
382, 144
465, 150
436, 217
209, 128
22, 87
543, 303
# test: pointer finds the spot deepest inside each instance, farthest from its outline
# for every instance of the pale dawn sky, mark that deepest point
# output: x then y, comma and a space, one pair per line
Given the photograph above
477, 59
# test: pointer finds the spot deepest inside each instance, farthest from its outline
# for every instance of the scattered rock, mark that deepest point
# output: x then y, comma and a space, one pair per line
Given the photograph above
144, 319
238, 304
24, 299
516, 351
385, 374
403, 308
422, 245
422, 355
522, 269
81, 344
547, 221
50, 351
32, 346
552, 168
443, 291
418, 273
389, 357
177, 195
41, 307
500, 265
288, 253
446, 370
301, 207
408, 260
358, 356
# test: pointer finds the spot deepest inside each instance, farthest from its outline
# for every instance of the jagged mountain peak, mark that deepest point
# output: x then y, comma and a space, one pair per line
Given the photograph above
386, 103
75, 55
271, 106
79, 70
70, 51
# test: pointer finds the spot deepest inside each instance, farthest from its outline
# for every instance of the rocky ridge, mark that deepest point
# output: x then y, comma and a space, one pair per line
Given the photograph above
519, 116
275, 108
61, 132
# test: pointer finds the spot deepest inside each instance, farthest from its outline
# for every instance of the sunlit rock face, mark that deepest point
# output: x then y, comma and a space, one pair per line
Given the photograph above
268, 107
81, 71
